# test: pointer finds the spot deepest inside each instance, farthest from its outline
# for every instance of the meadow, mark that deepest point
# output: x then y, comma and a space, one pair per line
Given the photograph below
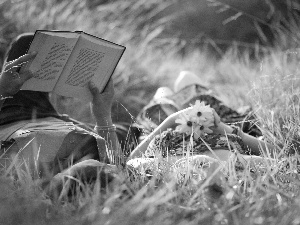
265, 77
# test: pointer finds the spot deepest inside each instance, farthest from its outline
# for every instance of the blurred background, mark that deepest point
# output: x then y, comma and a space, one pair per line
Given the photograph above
227, 43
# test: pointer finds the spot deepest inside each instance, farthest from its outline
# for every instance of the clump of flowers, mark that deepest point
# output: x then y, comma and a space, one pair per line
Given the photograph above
196, 121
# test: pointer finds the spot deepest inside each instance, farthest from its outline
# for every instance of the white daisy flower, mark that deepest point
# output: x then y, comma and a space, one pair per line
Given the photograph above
185, 124
196, 121
201, 112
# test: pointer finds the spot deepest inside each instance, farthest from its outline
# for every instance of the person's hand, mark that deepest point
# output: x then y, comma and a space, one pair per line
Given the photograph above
10, 79
217, 119
220, 127
102, 103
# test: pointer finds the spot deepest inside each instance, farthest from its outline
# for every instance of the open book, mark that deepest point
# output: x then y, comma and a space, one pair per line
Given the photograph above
66, 61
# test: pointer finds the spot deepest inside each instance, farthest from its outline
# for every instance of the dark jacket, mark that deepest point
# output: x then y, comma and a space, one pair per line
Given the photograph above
26, 105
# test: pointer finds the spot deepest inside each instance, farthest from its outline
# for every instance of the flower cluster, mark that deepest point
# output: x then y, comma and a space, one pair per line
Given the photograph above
196, 120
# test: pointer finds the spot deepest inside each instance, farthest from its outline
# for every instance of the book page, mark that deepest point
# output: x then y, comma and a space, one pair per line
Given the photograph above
89, 61
53, 52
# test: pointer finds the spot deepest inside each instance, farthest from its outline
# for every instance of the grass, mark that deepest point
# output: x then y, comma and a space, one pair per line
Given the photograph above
269, 83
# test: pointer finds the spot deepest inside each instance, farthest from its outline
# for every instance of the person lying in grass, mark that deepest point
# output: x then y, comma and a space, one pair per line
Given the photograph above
209, 125
33, 130
188, 88
196, 132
